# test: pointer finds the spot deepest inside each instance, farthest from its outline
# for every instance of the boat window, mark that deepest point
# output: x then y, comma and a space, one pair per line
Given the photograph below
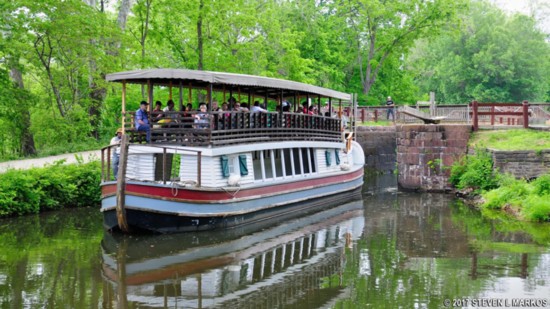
305, 160
268, 164
289, 162
278, 163
298, 164
337, 156
233, 165
312, 160
328, 157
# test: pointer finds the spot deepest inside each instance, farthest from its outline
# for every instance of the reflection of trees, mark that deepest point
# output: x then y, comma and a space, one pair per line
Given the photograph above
421, 251
51, 260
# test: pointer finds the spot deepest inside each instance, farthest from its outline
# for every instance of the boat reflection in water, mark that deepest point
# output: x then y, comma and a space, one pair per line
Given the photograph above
281, 265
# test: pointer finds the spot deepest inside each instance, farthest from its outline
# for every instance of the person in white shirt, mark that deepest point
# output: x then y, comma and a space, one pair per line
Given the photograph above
257, 108
116, 151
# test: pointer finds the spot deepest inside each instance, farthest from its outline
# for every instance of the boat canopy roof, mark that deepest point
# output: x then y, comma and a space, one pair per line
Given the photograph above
245, 83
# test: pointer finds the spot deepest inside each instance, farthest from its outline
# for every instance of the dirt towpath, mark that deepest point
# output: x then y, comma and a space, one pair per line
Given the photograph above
40, 162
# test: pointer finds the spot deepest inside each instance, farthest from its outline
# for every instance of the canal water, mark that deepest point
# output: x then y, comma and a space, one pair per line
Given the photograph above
388, 249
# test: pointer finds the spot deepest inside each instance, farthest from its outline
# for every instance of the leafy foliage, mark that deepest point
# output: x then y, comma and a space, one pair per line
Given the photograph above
475, 171
488, 57
52, 187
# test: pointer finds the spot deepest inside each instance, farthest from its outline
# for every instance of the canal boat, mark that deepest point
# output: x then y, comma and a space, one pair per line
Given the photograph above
240, 269
206, 169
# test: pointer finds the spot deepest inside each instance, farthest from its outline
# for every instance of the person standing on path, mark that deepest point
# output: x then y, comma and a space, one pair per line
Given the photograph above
116, 151
391, 106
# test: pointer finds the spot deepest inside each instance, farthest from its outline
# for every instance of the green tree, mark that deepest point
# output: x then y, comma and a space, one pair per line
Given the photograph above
386, 28
490, 57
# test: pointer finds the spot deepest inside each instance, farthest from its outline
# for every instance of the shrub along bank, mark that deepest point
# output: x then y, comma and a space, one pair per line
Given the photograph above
51, 187
525, 200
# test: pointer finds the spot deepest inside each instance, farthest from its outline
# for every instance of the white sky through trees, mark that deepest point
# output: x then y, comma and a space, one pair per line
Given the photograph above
540, 9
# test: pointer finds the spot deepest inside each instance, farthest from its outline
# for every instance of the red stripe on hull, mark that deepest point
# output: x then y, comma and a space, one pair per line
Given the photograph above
198, 195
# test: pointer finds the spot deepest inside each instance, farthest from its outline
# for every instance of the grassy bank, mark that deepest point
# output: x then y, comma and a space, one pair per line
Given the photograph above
474, 175
52, 187
519, 139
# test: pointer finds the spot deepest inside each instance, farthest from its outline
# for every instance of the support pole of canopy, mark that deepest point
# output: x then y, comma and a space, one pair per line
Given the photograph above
281, 108
330, 107
318, 104
209, 91
149, 94
121, 185
181, 96
190, 96
123, 107
170, 91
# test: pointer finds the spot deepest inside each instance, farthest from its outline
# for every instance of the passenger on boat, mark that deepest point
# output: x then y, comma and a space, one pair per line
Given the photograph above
116, 151
215, 106
156, 113
170, 115
187, 116
237, 107
257, 108
305, 109
202, 119
142, 121
223, 116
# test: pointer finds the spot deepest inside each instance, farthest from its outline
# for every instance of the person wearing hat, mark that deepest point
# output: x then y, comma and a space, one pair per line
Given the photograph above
390, 105
116, 151
142, 120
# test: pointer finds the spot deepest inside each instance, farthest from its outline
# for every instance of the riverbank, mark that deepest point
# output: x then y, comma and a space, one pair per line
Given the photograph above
55, 186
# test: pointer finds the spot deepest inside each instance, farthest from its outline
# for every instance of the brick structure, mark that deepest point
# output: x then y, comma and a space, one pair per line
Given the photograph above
522, 164
425, 151
379, 145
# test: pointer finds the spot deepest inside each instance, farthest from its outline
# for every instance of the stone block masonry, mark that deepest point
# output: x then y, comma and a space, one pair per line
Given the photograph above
426, 151
378, 143
522, 164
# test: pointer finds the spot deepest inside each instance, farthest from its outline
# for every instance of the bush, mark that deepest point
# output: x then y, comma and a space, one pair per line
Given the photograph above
52, 187
537, 208
510, 194
475, 171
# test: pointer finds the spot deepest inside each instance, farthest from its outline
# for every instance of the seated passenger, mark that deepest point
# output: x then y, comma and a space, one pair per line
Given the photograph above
156, 113
257, 108
202, 119
170, 115
141, 121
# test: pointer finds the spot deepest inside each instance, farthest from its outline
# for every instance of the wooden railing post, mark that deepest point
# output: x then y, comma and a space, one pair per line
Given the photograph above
525, 114
493, 115
362, 115
474, 116
121, 185
375, 115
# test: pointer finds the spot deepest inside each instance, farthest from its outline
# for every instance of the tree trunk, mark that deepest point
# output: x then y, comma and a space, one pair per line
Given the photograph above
199, 36
125, 7
27, 138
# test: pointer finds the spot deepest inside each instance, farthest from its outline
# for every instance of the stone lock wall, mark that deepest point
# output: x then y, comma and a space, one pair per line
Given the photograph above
522, 164
426, 151
379, 145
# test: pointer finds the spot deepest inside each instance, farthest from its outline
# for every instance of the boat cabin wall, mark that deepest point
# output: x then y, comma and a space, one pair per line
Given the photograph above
212, 171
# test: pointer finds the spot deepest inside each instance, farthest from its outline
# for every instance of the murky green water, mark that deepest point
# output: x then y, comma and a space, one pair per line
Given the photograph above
387, 250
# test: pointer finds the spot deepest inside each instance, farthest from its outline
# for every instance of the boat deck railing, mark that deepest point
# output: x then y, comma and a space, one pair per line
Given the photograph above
163, 167
229, 128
